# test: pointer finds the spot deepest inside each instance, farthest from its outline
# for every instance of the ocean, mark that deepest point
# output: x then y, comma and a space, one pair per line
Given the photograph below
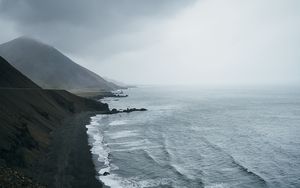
200, 137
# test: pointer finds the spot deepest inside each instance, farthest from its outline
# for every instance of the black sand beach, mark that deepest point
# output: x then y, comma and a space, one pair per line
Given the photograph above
45, 142
69, 161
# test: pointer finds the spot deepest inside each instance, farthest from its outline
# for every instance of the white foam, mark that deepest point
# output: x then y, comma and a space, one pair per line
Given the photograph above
111, 180
103, 170
118, 122
130, 143
96, 142
115, 181
102, 152
155, 182
122, 134
137, 148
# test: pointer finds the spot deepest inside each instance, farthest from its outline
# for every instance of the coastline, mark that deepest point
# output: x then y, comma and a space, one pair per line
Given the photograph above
69, 162
42, 134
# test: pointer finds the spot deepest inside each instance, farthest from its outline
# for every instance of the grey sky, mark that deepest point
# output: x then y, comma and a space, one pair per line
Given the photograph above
167, 41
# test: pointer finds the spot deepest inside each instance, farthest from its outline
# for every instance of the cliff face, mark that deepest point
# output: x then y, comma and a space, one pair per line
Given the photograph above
29, 114
49, 68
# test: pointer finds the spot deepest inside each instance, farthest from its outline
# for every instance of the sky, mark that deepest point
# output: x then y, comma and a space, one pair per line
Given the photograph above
177, 42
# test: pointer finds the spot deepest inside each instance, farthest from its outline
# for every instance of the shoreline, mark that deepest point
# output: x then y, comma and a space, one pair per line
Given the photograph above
43, 138
69, 161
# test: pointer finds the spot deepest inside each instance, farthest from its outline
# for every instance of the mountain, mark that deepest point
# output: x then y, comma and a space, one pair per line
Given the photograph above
51, 69
12, 78
43, 134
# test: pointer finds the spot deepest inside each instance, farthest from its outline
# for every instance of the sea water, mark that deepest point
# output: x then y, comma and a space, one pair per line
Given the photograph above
195, 137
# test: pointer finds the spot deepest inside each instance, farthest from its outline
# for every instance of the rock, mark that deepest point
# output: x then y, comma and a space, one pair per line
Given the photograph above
14, 178
134, 109
114, 111
128, 110
118, 95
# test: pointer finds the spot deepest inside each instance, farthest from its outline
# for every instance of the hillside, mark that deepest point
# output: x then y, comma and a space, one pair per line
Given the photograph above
12, 78
36, 137
49, 68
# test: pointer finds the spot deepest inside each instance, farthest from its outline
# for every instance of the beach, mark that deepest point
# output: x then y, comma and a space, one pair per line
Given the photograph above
43, 139
68, 162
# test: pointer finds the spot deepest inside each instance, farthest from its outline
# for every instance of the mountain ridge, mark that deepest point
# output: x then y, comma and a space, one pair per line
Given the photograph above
12, 78
37, 127
49, 68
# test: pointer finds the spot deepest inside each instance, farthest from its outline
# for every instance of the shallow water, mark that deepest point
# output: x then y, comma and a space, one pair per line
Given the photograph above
200, 138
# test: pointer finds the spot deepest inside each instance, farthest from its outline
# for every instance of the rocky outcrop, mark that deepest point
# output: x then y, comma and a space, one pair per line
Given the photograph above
14, 178
128, 110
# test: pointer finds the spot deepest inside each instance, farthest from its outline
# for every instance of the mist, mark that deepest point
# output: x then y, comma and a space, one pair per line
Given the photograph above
218, 42
208, 42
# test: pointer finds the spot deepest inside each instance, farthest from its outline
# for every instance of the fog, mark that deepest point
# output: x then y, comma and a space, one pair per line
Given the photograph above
208, 42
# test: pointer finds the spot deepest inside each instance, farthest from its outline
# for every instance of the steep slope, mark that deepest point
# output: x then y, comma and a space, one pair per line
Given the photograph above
28, 116
12, 78
29, 119
49, 68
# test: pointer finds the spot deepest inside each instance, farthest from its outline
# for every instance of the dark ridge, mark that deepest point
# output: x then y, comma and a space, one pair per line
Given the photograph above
30, 117
12, 78
51, 69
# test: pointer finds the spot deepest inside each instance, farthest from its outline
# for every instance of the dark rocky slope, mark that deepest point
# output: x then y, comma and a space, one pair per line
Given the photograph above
49, 68
28, 116
29, 119
12, 78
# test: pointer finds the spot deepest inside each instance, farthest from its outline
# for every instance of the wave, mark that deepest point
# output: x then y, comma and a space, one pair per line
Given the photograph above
115, 181
248, 171
235, 162
178, 171
166, 164
118, 122
122, 134
102, 151
129, 144
166, 160
98, 148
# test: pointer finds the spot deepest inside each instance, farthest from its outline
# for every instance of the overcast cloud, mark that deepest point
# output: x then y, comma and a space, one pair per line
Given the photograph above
79, 26
167, 41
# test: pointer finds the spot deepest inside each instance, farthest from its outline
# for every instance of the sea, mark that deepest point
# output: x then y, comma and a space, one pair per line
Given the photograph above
199, 137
